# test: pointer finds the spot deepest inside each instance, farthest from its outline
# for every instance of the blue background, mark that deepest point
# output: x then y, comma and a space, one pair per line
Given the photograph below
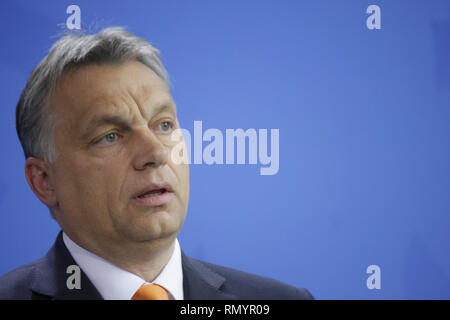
364, 119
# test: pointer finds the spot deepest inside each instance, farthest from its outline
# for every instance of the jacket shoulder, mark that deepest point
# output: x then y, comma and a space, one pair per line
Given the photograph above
16, 284
248, 286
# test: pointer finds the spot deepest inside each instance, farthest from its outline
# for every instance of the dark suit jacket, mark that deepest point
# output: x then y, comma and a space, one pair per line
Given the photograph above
46, 279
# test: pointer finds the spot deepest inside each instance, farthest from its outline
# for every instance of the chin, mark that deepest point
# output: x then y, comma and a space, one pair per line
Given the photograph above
151, 228
153, 236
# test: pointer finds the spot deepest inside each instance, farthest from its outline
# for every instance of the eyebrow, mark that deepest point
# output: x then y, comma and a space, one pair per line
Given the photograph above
104, 120
117, 120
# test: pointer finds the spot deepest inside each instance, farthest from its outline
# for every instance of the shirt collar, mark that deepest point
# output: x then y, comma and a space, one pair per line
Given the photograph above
115, 283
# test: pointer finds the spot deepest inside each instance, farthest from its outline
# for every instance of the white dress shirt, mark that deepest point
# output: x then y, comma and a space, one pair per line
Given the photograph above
115, 283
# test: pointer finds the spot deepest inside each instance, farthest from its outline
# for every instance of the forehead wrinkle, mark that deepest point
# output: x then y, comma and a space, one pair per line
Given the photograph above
138, 100
111, 104
122, 102
106, 105
129, 102
135, 98
151, 100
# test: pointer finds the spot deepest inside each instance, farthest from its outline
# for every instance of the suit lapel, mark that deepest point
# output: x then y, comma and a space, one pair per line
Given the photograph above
201, 283
50, 276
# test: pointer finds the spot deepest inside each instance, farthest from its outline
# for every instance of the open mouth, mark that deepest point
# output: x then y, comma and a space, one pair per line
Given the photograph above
152, 193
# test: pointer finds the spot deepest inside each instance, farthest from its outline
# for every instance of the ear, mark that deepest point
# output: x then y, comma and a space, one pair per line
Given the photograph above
38, 175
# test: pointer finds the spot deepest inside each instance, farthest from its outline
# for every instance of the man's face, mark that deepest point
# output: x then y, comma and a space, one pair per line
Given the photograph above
113, 176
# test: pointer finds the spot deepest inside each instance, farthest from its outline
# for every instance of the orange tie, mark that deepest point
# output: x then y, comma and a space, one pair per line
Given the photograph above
151, 292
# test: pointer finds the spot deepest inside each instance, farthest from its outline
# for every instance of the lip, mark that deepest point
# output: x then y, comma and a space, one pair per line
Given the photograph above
154, 200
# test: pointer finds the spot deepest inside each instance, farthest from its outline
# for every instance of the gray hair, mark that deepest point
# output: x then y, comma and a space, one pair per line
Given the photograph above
34, 123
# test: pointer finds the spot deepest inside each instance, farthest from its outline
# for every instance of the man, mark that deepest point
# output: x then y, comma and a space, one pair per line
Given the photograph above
96, 122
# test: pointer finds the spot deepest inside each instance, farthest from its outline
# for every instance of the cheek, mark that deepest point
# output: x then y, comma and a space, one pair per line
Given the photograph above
76, 190
180, 170
183, 175
84, 187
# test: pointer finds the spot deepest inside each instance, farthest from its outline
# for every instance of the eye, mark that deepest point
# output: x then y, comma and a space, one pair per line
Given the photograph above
166, 126
109, 138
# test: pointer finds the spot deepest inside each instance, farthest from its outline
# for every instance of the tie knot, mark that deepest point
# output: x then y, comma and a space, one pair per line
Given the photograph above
151, 292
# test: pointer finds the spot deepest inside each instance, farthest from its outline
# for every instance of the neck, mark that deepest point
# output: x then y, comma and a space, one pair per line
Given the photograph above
144, 259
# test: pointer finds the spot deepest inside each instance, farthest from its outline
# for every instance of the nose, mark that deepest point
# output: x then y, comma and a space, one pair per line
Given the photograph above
151, 152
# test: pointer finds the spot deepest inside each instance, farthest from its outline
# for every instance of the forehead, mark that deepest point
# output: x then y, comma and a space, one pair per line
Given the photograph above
129, 87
